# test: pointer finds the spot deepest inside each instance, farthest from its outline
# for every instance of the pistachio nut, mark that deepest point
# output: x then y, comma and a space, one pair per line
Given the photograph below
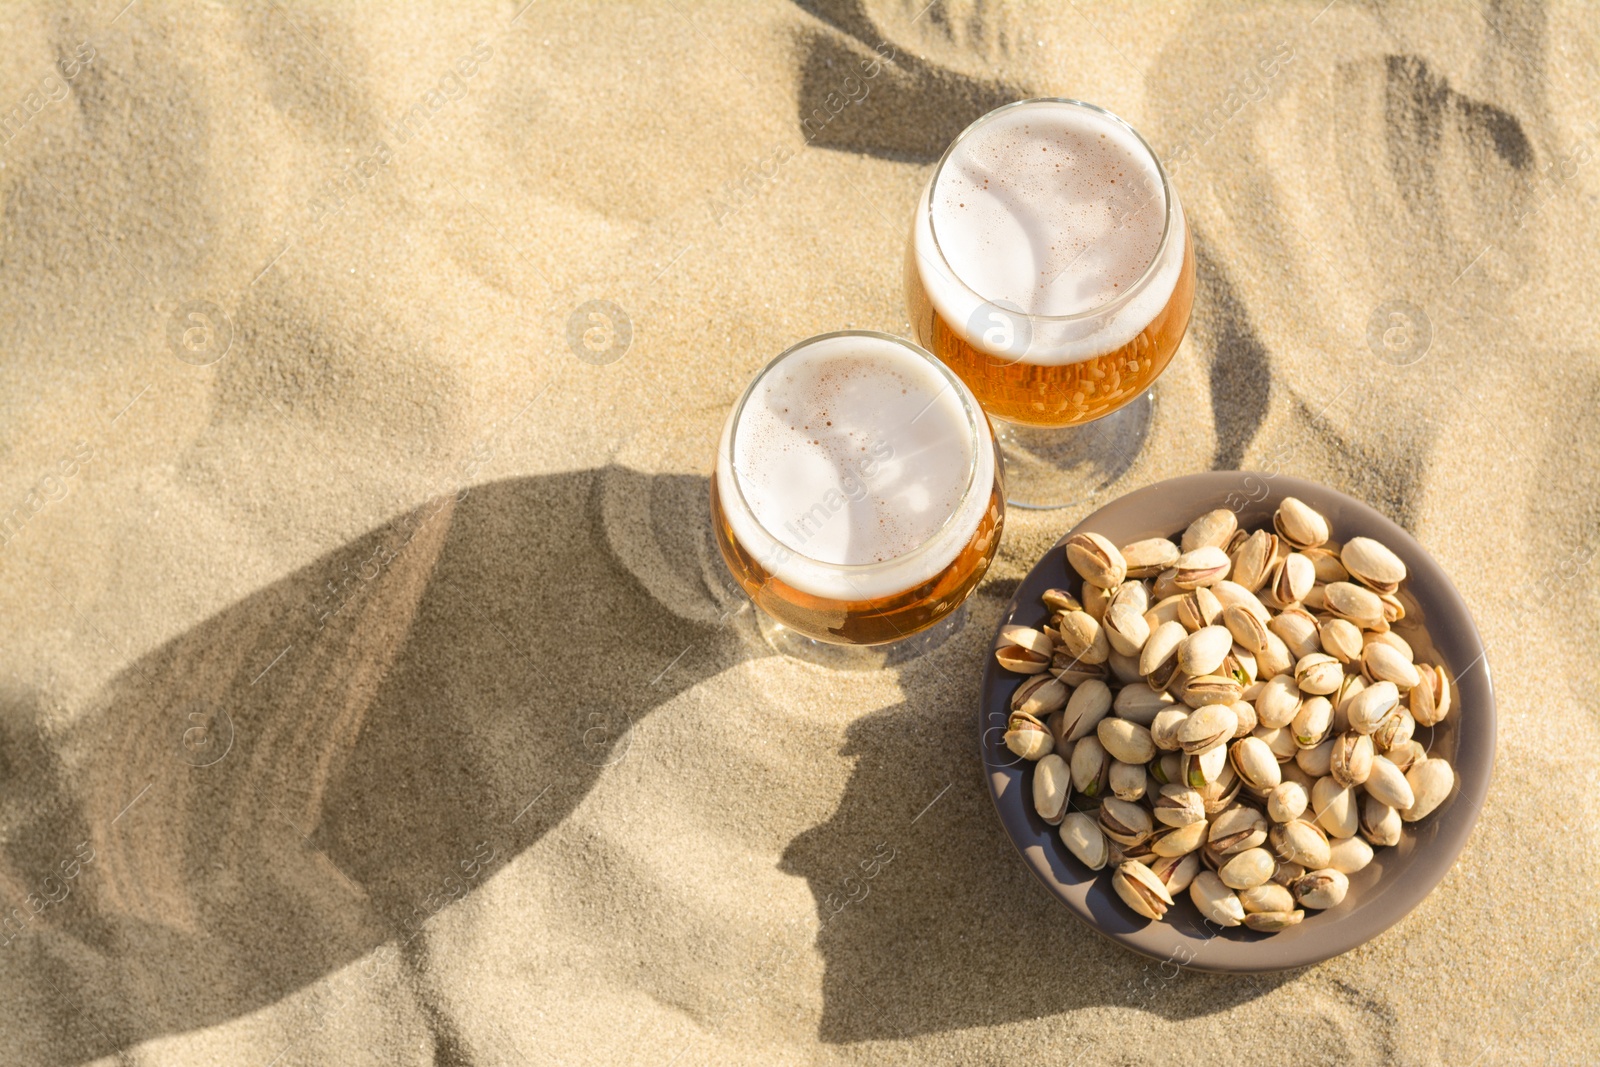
1081, 834
1316, 761
1180, 840
1221, 792
1380, 823
1039, 696
1127, 741
1253, 560
1298, 631
1020, 660
1087, 705
1273, 659
1431, 781
1124, 822
1027, 737
1318, 674
1396, 730
1091, 767
1246, 628
1301, 842
1287, 873
1352, 758
1203, 651
1313, 722
1179, 805
1161, 646
1210, 689
1356, 603
1252, 867
1324, 888
1075, 672
1059, 601
1349, 854
1164, 728
1384, 663
1340, 638
1327, 565
1255, 763
1082, 637
1208, 727
1287, 802
1278, 702
1096, 560
1215, 900
1126, 780
1203, 566
1392, 639
1373, 564
1245, 712
1141, 890
1214, 529
1237, 828
1292, 579
1299, 524
1369, 708
1176, 872
1141, 704
1266, 897
1148, 558
1430, 698
1096, 599
1204, 768
1281, 740
1198, 609
1240, 665
1405, 754
1165, 584
1052, 786
1335, 808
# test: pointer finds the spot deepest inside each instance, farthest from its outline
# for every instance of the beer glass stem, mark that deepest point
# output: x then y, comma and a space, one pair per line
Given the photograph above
1048, 467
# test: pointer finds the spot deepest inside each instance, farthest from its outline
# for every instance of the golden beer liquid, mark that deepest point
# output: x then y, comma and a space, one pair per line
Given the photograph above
865, 622
1055, 395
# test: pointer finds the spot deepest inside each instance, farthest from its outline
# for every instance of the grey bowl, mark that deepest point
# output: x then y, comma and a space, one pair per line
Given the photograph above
1437, 624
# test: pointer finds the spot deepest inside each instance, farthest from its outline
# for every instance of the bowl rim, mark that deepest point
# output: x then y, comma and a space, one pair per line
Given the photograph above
1184, 942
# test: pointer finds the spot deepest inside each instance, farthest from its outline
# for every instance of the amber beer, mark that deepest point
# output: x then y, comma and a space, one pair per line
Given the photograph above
1050, 264
857, 496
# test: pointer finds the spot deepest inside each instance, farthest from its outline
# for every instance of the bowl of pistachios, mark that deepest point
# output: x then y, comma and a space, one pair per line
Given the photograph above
1238, 720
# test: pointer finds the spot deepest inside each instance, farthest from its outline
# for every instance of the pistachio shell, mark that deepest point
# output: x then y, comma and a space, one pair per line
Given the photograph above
1245, 712
1430, 699
1052, 786
1431, 781
1215, 900
1316, 761
1388, 785
1394, 731
1208, 727
1203, 651
1165, 584
1327, 565
1270, 922
1292, 579
1349, 855
1298, 630
1210, 689
1096, 599
1096, 560
1059, 601
1148, 558
1125, 627
1300, 524
1179, 805
1288, 802
1202, 567
1124, 669
1340, 638
1324, 888
1020, 660
1176, 872
1141, 890
1253, 560
1165, 726
1075, 672
1141, 704
1199, 608
1406, 755
1126, 741
1312, 722
1373, 564
1161, 646
1236, 829
1214, 529
1081, 834
1204, 768
1274, 659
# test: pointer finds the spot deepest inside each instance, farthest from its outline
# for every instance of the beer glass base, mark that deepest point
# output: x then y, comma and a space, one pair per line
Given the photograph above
1048, 467
796, 645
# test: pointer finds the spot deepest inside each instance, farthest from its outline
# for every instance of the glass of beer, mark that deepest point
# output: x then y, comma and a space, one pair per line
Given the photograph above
1050, 266
857, 498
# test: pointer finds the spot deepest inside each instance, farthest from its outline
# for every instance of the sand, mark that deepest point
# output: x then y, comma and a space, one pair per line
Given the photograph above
371, 693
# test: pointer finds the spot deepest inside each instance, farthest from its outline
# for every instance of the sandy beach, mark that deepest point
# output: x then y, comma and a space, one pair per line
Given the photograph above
371, 690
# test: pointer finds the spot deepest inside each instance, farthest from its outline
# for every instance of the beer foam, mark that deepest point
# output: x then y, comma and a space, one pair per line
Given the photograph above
855, 451
1052, 209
